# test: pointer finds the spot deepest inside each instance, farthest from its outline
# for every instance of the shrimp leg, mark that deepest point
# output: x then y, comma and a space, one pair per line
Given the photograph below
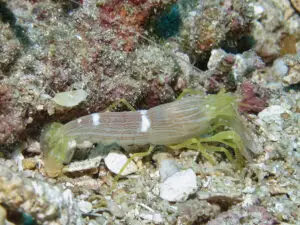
229, 138
139, 154
194, 144
189, 91
124, 102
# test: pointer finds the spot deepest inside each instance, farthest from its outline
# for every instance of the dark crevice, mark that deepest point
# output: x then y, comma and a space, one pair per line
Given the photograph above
241, 45
202, 61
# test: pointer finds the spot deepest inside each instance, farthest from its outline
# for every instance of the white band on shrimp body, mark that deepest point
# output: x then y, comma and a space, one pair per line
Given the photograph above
145, 123
96, 119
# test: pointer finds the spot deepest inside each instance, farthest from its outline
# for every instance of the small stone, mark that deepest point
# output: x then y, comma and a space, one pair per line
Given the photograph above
85, 206
246, 63
272, 122
184, 63
258, 10
179, 186
50, 211
34, 147
87, 182
90, 166
18, 157
277, 190
115, 209
293, 76
29, 163
216, 58
280, 68
296, 4
155, 218
167, 168
115, 160
40, 107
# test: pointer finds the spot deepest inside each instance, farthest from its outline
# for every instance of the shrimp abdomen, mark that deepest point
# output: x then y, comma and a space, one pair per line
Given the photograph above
165, 124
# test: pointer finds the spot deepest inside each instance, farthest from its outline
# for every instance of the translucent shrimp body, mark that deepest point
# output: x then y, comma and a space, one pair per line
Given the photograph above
163, 125
167, 124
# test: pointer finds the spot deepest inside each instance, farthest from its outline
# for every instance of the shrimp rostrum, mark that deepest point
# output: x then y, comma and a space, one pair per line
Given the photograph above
203, 123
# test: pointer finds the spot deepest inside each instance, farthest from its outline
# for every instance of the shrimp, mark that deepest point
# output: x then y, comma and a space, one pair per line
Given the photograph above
191, 122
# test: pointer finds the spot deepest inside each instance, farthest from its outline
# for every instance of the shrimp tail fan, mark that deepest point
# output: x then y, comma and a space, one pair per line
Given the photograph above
57, 148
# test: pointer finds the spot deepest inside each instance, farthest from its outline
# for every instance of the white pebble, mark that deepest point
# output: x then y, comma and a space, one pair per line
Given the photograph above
167, 168
115, 209
34, 147
152, 217
179, 186
258, 10
216, 57
280, 68
115, 161
85, 206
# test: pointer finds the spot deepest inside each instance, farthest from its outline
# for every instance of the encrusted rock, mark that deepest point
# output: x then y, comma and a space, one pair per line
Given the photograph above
271, 119
46, 203
209, 24
10, 48
195, 211
221, 190
251, 215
